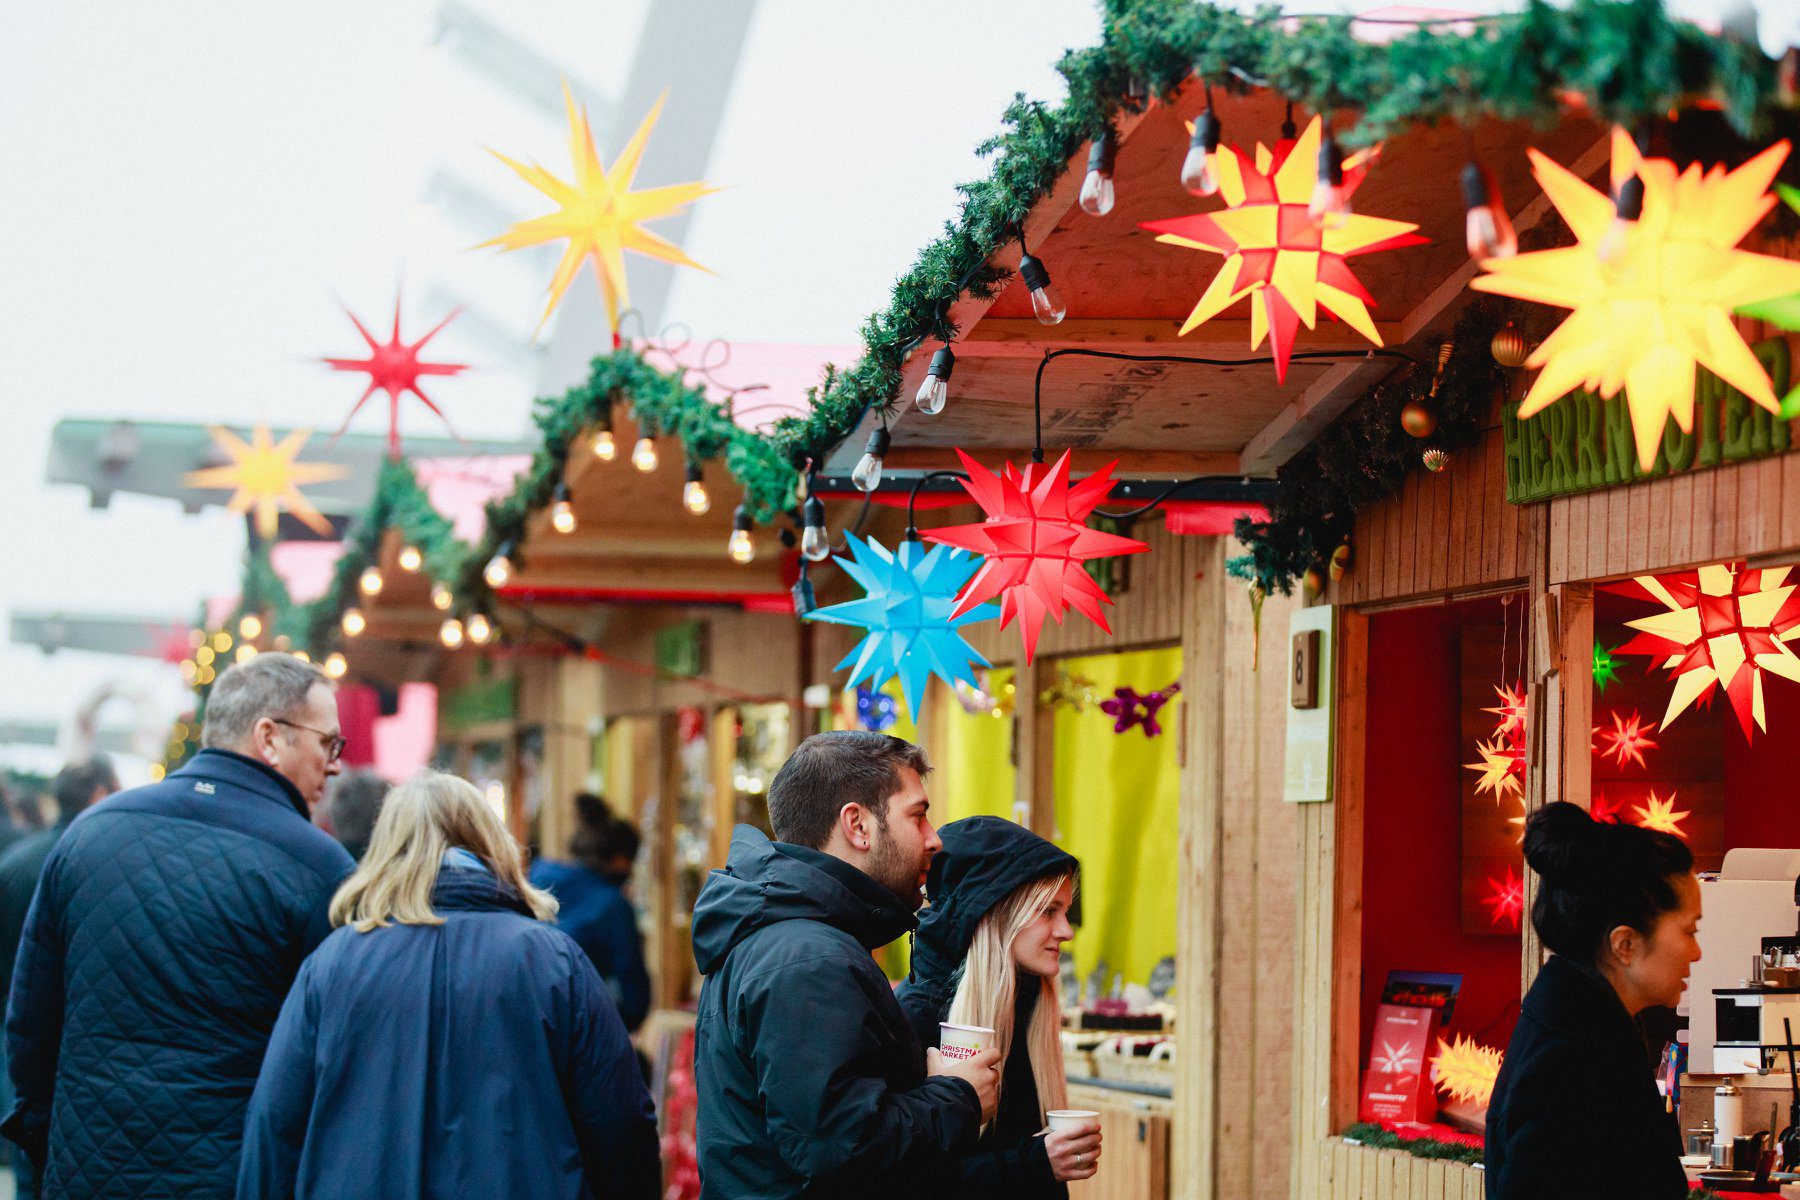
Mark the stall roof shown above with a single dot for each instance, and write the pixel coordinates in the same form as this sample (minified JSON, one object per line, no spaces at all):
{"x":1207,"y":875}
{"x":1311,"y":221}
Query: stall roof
{"x":1126,"y":293}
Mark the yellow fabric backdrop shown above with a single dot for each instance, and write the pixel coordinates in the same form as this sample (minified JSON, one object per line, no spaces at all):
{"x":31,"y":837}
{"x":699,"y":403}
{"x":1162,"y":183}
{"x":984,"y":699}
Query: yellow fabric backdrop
{"x":1117,"y":808}
{"x":975,"y":774}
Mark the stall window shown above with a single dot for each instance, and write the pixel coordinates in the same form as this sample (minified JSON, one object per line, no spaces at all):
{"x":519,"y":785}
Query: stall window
{"x":1442,"y":868}
{"x":1118,"y":796}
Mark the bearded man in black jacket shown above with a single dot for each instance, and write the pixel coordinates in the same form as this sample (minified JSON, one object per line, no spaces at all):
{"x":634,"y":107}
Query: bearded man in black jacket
{"x":811,"y":1081}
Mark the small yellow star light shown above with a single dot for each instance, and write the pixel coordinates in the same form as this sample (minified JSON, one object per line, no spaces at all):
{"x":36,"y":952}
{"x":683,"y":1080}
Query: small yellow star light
{"x":1465,"y":1070}
{"x":267,"y":478}
{"x":598,"y":213}
{"x":1660,"y":815}
{"x":1645,"y":318}
{"x":1500,"y":768}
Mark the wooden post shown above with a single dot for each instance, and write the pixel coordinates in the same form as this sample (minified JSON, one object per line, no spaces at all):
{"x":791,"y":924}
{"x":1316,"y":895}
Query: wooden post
{"x":1034,"y":727}
{"x":1346,"y":884}
{"x":721,"y":744}
{"x":1577,"y":625}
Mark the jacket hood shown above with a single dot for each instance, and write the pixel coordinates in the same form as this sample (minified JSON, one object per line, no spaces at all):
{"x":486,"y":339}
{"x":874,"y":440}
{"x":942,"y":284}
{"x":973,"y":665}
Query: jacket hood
{"x":984,"y":860}
{"x":474,"y":889}
{"x":765,"y":882}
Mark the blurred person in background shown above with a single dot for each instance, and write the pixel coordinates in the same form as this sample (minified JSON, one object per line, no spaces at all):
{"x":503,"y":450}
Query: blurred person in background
{"x":594,"y":910}
{"x":352,"y":803}
{"x":446,"y":1040}
{"x":168,"y":926}
{"x":76,"y":787}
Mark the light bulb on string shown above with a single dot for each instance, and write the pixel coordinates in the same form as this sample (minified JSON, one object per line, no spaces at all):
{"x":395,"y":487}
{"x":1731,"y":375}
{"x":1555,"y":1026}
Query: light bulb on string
{"x":250,"y":626}
{"x":1046,"y":303}
{"x":741,"y":547}
{"x":353,"y":622}
{"x":605,"y":449}
{"x":1199,"y":170}
{"x":441,"y":599}
{"x":245,"y":652}
{"x":694,"y":496}
{"x":934,"y":392}
{"x":335,"y":665}
{"x":1628,"y":206}
{"x":643,"y":455}
{"x":411,"y":558}
{"x":303,"y":656}
{"x":815,"y":539}
{"x":867,"y":475}
{"x":451,"y":633}
{"x":562,"y":510}
{"x":499,"y":568}
{"x":1330,"y":198}
{"x":1488,"y":230}
{"x":479,"y":628}
{"x":370,"y":582}
{"x":1097,"y":192}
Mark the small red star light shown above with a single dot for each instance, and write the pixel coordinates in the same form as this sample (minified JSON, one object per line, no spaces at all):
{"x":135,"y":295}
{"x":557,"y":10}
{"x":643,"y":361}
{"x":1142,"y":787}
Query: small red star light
{"x":1033,"y":544}
{"x":1511,"y":711}
{"x":1627,"y":740}
{"x":1505,"y":900}
{"x":394,"y":367}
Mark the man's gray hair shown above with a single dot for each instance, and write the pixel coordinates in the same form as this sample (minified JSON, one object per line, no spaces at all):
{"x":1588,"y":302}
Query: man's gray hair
{"x":270,"y":685}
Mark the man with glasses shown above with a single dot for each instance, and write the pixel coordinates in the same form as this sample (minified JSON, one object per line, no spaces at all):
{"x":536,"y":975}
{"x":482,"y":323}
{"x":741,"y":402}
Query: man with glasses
{"x":166,"y":930}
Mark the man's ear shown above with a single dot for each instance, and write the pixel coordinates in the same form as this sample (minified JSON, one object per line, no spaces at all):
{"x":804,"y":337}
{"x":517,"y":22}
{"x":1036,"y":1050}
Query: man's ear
{"x":853,"y":823}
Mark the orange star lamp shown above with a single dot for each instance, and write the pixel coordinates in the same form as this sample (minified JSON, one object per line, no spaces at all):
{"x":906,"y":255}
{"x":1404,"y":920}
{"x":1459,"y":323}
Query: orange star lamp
{"x":266,"y":478}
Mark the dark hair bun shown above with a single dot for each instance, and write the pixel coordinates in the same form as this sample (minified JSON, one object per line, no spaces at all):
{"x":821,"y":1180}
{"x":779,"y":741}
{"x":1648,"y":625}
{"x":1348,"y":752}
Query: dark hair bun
{"x":592,"y":811}
{"x":1559,"y":841}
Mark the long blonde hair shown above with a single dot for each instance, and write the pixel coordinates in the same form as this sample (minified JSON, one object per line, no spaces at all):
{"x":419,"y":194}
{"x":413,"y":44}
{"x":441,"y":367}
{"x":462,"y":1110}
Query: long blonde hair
{"x":422,"y":820}
{"x":988,"y":986}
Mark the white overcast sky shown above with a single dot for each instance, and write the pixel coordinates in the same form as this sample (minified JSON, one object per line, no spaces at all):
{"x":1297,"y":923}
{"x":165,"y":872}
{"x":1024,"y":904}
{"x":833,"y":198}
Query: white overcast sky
{"x":189,"y":188}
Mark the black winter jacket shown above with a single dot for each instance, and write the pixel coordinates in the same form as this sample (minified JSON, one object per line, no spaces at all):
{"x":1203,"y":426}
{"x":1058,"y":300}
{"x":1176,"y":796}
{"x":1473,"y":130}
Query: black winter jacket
{"x":984,"y":860}
{"x":811,"y":1082}
{"x":1575,"y":1110}
{"x":167,"y":928}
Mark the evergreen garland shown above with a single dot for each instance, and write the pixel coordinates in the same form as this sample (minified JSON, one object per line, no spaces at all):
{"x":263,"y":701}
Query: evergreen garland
{"x":1369,"y":1134}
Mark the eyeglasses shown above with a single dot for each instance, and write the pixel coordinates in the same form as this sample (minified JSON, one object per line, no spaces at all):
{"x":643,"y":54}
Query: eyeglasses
{"x":333,"y":744}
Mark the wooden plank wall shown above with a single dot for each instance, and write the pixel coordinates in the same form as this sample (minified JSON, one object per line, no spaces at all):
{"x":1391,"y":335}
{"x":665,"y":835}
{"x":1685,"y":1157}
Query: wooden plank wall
{"x":1737,"y":511}
{"x":1441,"y":533}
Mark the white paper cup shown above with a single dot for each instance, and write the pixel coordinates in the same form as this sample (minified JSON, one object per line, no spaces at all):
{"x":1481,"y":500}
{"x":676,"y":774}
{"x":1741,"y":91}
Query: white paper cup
{"x":963,"y":1041}
{"x":1064,"y":1118}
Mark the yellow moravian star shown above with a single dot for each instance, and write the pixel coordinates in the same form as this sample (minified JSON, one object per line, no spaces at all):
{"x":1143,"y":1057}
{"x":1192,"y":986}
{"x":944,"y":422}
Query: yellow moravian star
{"x":267,"y":478}
{"x":598,"y":214}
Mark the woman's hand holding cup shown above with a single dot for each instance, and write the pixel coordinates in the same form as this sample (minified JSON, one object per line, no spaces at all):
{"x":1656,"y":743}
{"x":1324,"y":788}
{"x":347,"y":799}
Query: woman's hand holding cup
{"x":1073,"y":1143}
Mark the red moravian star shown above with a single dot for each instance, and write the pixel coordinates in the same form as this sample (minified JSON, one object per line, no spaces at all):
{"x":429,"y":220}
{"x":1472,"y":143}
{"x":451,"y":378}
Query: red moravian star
{"x":1033,"y":544}
{"x":1505,"y":899}
{"x":1628,"y":740}
{"x":394,"y":367}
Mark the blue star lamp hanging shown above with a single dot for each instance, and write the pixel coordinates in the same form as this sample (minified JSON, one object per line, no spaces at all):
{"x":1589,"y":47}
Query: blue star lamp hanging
{"x":906,"y":609}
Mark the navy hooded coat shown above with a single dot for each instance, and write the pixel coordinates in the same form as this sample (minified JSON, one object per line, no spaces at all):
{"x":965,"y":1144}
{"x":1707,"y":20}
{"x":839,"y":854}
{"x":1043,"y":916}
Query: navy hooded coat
{"x":481,"y":1057}
{"x":595,"y":912}
{"x":984,"y":860}
{"x":168,"y":925}
{"x":811,"y":1082}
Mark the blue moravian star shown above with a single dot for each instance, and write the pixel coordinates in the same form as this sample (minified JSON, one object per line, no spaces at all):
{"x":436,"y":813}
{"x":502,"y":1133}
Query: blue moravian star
{"x":909,"y":596}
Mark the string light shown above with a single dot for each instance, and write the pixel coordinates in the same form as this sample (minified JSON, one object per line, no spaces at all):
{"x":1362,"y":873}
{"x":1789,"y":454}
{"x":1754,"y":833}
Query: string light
{"x":245,"y":652}
{"x":479,"y":628}
{"x":1488,"y":230}
{"x":815,"y":540}
{"x":1097,"y":191}
{"x":221,"y":641}
{"x":499,"y":568}
{"x":867,"y":475}
{"x":1199,"y":170}
{"x":562,"y":510}
{"x":643,"y":455}
{"x":934,"y":393}
{"x":251,"y":626}
{"x":411,"y":559}
{"x":335,"y":666}
{"x":441,"y":599}
{"x":741,"y":547}
{"x":203,"y":656}
{"x":451,"y":633}
{"x":371,"y":581}
{"x":303,"y":656}
{"x":605,"y":449}
{"x":693,"y":492}
{"x":354,"y":622}
{"x":1046,"y":302}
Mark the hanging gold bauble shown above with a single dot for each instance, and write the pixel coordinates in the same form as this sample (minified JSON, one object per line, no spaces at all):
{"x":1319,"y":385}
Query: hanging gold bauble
{"x":1436,"y":460}
{"x":1342,"y":560}
{"x":1417,"y":419}
{"x":1314,"y":582}
{"x":1510,"y":347}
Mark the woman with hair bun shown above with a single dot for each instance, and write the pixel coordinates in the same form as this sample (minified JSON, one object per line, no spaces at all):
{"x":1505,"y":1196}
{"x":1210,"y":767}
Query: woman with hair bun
{"x":1575,"y":1109}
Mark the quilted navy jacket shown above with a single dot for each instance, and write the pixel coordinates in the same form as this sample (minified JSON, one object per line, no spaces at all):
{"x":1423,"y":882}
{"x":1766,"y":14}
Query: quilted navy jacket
{"x":166,"y":930}
{"x":480,"y":1058}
